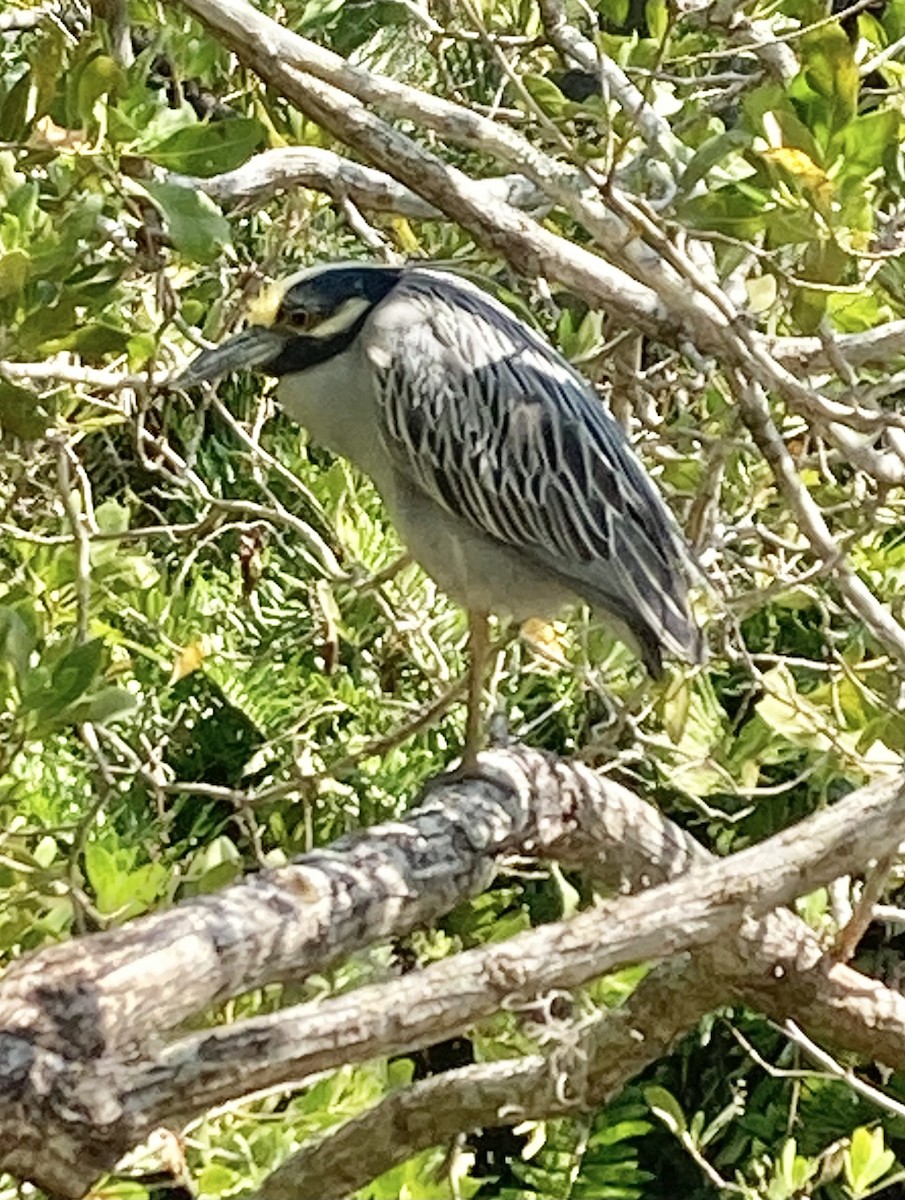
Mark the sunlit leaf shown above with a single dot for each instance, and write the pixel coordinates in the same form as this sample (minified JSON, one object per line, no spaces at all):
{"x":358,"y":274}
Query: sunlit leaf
{"x":665,"y":1106}
{"x":14,"y":269}
{"x":208,"y":149}
{"x":188,"y":659}
{"x":866,"y":1160}
{"x":194,"y":223}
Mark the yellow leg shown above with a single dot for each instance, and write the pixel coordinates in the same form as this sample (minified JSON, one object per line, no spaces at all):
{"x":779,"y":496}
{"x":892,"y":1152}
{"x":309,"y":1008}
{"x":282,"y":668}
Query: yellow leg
{"x":478,"y":653}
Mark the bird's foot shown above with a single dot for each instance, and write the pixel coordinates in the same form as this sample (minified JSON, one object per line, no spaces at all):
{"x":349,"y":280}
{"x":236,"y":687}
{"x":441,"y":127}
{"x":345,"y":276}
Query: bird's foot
{"x":470,"y":765}
{"x":471,"y":769}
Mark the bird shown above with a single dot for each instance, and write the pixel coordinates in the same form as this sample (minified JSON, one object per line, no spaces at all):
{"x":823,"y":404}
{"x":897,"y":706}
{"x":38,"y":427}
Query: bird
{"x":504,"y":473}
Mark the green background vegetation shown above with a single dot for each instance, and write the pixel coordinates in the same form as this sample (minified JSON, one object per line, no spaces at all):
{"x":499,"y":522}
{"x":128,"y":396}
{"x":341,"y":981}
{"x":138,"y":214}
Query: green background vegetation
{"x":173,"y":641}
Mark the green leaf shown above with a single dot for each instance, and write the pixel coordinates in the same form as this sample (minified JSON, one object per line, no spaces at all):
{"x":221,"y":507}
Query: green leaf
{"x":614,"y":12}
{"x":100,"y":77}
{"x":71,"y":678}
{"x":112,"y":517}
{"x":868,"y":143}
{"x":141,"y":348}
{"x":214,"y":866}
{"x":107,"y":705}
{"x":15,"y":111}
{"x":711,"y":152}
{"x":14,"y":269}
{"x":208,"y":149}
{"x":546,"y":95}
{"x":657,"y":15}
{"x":92,"y":341}
{"x":866,"y":1160}
{"x":118,"y":886}
{"x":23,"y":204}
{"x":791,"y":1173}
{"x":101,"y":870}
{"x":789,"y":713}
{"x":829,"y":81}
{"x":22,"y":413}
{"x":46,"y":60}
{"x":17,"y":641}
{"x":317,"y":13}
{"x":195,"y":224}
{"x":664,"y":1105}
{"x":216,"y":1180}
{"x":855,"y":314}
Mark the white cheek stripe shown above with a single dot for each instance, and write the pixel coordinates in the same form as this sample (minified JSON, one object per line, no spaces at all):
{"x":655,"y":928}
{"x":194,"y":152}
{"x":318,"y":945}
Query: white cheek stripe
{"x":347,"y":314}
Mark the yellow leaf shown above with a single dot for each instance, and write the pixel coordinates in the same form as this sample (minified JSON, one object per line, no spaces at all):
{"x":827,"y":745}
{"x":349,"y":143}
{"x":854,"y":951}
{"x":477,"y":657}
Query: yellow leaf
{"x":405,"y":235}
{"x":802,"y":168}
{"x":47,"y":135}
{"x":761,"y":293}
{"x":188,"y":659}
{"x":544,"y":638}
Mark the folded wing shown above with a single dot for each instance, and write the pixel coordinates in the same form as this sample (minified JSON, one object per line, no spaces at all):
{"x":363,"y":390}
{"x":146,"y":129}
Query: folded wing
{"x":496,"y":427}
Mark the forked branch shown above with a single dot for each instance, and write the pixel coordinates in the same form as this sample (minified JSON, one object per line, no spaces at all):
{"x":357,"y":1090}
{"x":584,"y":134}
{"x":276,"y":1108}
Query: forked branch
{"x":84,"y":1077}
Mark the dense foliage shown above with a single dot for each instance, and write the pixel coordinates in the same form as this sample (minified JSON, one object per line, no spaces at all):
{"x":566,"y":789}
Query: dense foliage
{"x":213,"y":656}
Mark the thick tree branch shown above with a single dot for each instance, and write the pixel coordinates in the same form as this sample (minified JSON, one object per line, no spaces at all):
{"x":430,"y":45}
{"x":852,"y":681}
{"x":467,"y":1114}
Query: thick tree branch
{"x":89,"y":1062}
{"x":776,"y":966}
{"x":72,"y":1018}
{"x":279,"y":924}
{"x":873,"y":347}
{"x":291,"y":167}
{"x":344,"y":100}
{"x":579,"y":1071}
{"x":448,"y":996}
{"x":654,"y":284}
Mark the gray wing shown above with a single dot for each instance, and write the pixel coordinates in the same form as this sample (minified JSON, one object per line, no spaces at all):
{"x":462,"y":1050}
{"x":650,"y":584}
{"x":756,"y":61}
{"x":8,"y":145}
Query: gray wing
{"x":495,"y":426}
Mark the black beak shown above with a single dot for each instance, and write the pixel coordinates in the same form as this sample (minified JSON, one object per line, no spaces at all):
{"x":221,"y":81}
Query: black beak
{"x":253,"y":347}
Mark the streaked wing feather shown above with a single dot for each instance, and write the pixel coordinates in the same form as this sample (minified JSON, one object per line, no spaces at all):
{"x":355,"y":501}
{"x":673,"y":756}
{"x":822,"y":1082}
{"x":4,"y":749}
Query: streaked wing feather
{"x":496,"y":427}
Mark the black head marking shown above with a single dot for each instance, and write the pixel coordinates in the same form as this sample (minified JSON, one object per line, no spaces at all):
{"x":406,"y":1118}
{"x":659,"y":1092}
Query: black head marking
{"x":322,"y":293}
{"x":316,"y":298}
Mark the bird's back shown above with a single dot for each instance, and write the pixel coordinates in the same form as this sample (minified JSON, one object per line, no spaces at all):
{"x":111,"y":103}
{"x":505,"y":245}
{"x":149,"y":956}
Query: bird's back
{"x":495,"y":427}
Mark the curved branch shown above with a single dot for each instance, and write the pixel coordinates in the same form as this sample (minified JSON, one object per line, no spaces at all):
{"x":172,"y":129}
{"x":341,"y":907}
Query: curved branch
{"x":655,"y":284}
{"x":878,"y":619}
{"x":72,"y":1018}
{"x":272,"y":171}
{"x":344,"y":100}
{"x":580,"y":1071}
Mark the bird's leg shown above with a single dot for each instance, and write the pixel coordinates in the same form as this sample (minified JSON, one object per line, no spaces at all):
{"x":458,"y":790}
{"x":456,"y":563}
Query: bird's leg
{"x":478,"y":653}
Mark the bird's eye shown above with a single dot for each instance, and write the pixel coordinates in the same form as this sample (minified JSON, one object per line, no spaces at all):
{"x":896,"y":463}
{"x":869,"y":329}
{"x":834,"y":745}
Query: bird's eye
{"x":301,"y":319}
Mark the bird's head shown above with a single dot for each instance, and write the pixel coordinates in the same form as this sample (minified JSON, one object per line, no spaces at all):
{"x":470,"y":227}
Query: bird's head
{"x":298,"y":322}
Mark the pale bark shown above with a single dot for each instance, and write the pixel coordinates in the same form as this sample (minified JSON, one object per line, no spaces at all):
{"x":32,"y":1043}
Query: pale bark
{"x":84,"y":1075}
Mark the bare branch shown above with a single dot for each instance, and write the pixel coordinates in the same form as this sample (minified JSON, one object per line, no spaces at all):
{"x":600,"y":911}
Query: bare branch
{"x":807,"y":355}
{"x":581,"y":1069}
{"x":290,"y":167}
{"x":752,"y":35}
{"x":52,"y":371}
{"x":71,"y":1017}
{"x":576,"y":48}
{"x":343,"y":99}
{"x":753,"y":408}
{"x":655,"y":285}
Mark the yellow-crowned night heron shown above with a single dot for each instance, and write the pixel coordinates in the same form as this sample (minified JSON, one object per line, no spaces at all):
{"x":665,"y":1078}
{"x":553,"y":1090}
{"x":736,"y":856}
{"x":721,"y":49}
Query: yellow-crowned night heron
{"x":505,"y":475}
